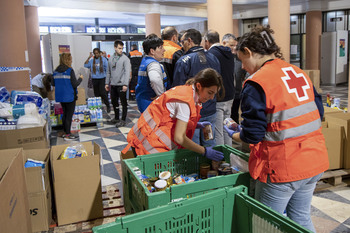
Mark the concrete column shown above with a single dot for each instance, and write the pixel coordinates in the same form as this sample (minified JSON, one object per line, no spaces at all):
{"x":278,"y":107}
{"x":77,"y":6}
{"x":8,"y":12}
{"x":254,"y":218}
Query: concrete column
{"x":313,"y":39}
{"x":13,"y":45}
{"x":153,"y":24}
{"x":235,"y":27}
{"x":220,"y":16}
{"x":33,"y":39}
{"x":279,"y":20}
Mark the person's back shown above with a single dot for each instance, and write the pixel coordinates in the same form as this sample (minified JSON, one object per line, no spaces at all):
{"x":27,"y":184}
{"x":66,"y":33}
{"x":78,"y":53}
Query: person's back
{"x":169,"y":37}
{"x":223,"y":107}
{"x":135,"y":57}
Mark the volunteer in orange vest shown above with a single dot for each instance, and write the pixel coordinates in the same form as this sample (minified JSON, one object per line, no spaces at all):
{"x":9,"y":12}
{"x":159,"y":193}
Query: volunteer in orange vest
{"x":282,"y":114}
{"x":170,"y":39}
{"x":169,"y":121}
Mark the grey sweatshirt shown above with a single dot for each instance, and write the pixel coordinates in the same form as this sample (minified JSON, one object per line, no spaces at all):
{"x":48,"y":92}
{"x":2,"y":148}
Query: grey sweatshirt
{"x":119,"y":70}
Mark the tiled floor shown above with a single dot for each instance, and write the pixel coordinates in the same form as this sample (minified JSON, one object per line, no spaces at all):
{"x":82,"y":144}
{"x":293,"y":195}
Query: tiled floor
{"x":330,"y":208}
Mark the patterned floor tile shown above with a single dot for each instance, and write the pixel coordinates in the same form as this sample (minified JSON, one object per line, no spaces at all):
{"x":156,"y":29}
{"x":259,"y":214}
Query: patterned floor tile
{"x":115,"y":154}
{"x":111,"y":171}
{"x":85,"y":137}
{"x":337,"y":210}
{"x":106,"y":180}
{"x":106,"y":133}
{"x":112,"y":142}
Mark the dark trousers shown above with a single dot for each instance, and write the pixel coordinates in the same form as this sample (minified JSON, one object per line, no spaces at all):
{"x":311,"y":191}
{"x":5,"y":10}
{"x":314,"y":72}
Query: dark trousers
{"x":234,"y":110}
{"x":68,"y":111}
{"x":116,"y":93}
{"x":99,"y":89}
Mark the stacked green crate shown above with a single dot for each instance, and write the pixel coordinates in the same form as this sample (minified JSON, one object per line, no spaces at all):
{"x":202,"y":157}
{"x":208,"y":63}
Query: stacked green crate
{"x":137,"y":197}
{"x":224,"y":210}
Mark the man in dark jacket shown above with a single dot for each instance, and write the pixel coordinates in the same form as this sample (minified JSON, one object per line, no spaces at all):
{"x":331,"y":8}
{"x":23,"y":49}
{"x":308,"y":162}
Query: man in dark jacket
{"x":223,"y":107}
{"x":194,"y":60}
{"x":135,"y":57}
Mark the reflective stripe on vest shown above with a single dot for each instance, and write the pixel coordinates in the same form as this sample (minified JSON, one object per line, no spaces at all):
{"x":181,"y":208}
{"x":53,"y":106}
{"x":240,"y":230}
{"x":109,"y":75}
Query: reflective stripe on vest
{"x":162,"y":136}
{"x":61,"y":76}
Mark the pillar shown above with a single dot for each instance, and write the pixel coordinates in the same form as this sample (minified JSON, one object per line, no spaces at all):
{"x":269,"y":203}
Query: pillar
{"x":313,"y":39}
{"x":13,"y":45}
{"x":33,"y":39}
{"x":236,"y":27}
{"x":153,"y":24}
{"x":279,"y":20}
{"x":220,"y":16}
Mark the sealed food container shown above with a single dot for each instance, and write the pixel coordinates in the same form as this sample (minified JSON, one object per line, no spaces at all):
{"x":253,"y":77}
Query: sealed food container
{"x":208,"y":133}
{"x":166,"y":176}
{"x":230,"y":123}
{"x":160,"y":185}
{"x":203,"y":170}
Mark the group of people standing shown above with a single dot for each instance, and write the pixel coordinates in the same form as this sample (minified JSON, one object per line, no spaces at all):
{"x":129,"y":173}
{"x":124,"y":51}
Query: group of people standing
{"x":281,"y":112}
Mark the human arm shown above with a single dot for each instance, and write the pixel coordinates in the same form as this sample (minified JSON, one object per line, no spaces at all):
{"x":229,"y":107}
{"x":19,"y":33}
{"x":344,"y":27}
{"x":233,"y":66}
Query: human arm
{"x":127,"y":74}
{"x":155,"y":76}
{"x":181,"y":138}
{"x":180,"y":72}
{"x":253,"y":107}
{"x":108,"y":74}
{"x":87,"y":63}
{"x":75,"y":83}
{"x":318,"y":101}
{"x":105,"y":65}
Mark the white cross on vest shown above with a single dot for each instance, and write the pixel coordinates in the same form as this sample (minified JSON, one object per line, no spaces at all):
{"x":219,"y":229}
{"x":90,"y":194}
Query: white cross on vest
{"x":295,"y":83}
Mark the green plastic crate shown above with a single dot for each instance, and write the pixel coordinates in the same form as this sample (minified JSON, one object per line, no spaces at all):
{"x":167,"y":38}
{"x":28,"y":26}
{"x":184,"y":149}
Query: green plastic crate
{"x":253,"y":216}
{"x":192,"y":215}
{"x":224,"y":210}
{"x":137,"y":197}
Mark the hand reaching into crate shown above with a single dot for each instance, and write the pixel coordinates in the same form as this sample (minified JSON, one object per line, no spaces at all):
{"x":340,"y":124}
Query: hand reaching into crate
{"x":212,"y":154}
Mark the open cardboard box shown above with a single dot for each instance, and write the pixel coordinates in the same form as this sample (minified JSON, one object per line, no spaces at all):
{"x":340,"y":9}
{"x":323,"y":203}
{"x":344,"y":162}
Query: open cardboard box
{"x":77,"y":185}
{"x":39,"y":190}
{"x":14,"y":214}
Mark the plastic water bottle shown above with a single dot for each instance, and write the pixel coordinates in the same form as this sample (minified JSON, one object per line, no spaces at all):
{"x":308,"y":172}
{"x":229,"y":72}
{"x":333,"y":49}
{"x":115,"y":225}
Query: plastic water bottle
{"x":94,"y":103}
{"x":89,"y":103}
{"x":99,"y":102}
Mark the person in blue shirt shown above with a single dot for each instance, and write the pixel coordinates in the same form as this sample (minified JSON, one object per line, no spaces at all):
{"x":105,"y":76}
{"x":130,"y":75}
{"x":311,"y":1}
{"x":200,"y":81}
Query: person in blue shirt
{"x":194,"y":60}
{"x":98,"y":66}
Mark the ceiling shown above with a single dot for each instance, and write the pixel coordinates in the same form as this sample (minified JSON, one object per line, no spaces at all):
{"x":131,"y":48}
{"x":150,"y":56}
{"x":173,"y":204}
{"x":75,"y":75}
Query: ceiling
{"x":173,"y":12}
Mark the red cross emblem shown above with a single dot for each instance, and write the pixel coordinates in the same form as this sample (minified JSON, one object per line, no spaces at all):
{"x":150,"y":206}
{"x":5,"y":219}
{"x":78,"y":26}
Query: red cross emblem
{"x":296,"y":83}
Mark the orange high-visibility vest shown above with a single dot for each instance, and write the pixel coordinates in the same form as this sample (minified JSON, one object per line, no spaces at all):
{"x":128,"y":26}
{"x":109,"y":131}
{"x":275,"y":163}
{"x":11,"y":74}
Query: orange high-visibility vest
{"x":154,"y":130}
{"x":170,"y":48}
{"x":135,"y":53}
{"x":293,"y":147}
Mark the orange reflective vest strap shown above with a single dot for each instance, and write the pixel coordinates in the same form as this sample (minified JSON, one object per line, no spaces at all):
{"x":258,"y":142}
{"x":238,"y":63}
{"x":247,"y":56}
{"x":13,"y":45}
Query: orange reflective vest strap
{"x":135,"y":53}
{"x":154,"y":130}
{"x":170,"y":48}
{"x":293,"y":147}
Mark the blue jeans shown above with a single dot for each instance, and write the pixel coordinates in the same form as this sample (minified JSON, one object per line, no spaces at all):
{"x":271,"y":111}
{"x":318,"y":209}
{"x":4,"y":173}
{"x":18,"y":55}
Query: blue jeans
{"x":198,"y":136}
{"x":294,"y":197}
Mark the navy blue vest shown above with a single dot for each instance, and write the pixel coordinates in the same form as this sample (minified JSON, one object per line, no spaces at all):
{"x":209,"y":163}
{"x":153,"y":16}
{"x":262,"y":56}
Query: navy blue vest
{"x":64,"y":91}
{"x":144,"y":91}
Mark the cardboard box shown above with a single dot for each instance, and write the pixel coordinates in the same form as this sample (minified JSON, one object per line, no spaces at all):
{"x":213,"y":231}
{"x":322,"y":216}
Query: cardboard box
{"x":334,"y":142}
{"x":337,"y":120}
{"x":14,"y":214}
{"x":81,"y":97}
{"x":30,"y":138}
{"x":39,"y":190}
{"x":77,"y":185}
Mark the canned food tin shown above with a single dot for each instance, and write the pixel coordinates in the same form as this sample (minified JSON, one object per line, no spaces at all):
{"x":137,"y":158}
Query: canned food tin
{"x":203,"y":170}
{"x":208,"y":133}
{"x":160,"y":185}
{"x":215,"y":165}
{"x":230,"y":123}
{"x":212,"y":173}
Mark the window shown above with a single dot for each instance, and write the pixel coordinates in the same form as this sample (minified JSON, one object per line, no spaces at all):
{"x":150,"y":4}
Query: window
{"x":44,"y":29}
{"x":61,"y":29}
{"x":116,"y":30}
{"x":92,"y":29}
{"x":141,"y":30}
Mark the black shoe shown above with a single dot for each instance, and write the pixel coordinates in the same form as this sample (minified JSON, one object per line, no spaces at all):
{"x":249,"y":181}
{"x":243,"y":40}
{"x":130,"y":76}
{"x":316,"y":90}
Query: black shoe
{"x":71,"y":137}
{"x":108,"y":109}
{"x":121,"y":124}
{"x":114,"y":121}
